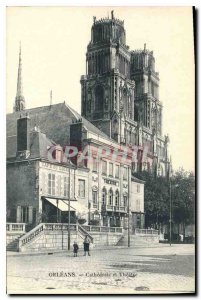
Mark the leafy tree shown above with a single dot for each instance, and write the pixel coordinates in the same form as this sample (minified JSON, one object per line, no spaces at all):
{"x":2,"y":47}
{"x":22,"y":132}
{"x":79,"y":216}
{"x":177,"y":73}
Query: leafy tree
{"x":157,"y":198}
{"x":183,"y":198}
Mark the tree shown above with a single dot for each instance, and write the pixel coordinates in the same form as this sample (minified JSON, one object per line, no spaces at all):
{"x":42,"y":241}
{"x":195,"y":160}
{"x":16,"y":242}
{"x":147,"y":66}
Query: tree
{"x":157,"y":198}
{"x":183,"y":198}
{"x":156,"y":195}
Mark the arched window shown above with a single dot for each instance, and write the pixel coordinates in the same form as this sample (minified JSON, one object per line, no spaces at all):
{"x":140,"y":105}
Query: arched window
{"x":104,"y":196}
{"x":111,"y":197}
{"x":99,"y":98}
{"x":125,"y":200}
{"x":117,"y":198}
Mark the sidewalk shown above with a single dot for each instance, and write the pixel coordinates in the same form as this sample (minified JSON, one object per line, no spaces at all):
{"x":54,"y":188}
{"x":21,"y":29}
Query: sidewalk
{"x":162,"y":249}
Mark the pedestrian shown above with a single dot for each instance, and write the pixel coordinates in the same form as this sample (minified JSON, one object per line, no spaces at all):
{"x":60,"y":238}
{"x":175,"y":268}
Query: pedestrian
{"x":75,"y":249}
{"x":86,"y":245}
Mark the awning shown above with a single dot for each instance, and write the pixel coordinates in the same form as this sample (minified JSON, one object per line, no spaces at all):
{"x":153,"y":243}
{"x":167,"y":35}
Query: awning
{"x":63,"y":205}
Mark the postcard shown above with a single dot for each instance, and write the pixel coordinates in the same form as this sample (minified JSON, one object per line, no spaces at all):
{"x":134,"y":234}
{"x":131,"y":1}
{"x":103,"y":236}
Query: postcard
{"x":100,"y":150}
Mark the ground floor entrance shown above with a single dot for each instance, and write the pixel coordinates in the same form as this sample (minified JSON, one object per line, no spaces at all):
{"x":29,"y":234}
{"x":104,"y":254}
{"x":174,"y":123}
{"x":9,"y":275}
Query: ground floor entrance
{"x":55,"y":212}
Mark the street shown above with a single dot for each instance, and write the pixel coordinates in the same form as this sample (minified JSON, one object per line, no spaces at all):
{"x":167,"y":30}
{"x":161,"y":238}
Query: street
{"x":157,"y":269}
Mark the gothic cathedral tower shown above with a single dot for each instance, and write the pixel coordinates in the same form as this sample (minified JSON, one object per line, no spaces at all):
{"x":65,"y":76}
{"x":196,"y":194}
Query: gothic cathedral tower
{"x":148,"y":108}
{"x":120,"y":94}
{"x":107,"y":88}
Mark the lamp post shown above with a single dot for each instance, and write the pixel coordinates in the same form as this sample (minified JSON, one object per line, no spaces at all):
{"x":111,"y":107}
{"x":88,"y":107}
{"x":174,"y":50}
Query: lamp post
{"x":69,"y":210}
{"x":128,"y":208}
{"x":170,"y":186}
{"x":172,"y":189}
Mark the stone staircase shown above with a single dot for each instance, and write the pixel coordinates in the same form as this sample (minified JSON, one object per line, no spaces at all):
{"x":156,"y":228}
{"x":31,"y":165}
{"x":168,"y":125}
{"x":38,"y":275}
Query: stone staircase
{"x":14,"y":244}
{"x":138,"y":240}
{"x":52,"y":236}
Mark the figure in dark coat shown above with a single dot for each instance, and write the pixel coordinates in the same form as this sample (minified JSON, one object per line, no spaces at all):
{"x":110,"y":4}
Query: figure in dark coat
{"x":86,"y":245}
{"x":75,"y":248}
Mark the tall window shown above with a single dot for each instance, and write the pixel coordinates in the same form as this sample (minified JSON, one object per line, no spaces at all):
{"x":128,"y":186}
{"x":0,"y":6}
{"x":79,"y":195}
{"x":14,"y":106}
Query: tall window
{"x":125,"y":201}
{"x":104,"y":196}
{"x":81,"y":188}
{"x":104,"y":167}
{"x":65,"y":186}
{"x":99,"y":98}
{"x":94,"y":197}
{"x":25,"y":214}
{"x":110,"y":169}
{"x":137,"y":204}
{"x":58,"y":155}
{"x":95,"y":165}
{"x":59,"y":185}
{"x":125,"y":173}
{"x":117,"y":198}
{"x":110,"y":197}
{"x":51,"y":184}
{"x":117,"y":171}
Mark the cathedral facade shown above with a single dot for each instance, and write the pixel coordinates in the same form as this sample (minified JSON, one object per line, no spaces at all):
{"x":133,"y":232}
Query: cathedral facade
{"x":120,"y":95}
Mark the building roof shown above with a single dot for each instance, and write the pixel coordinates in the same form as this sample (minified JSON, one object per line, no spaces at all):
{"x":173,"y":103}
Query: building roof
{"x":88,"y":125}
{"x":135,"y":179}
{"x":39,"y":145}
{"x":53,"y":120}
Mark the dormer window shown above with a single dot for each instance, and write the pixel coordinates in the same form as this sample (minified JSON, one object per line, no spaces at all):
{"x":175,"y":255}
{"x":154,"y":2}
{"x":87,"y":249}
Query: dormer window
{"x":57,"y":153}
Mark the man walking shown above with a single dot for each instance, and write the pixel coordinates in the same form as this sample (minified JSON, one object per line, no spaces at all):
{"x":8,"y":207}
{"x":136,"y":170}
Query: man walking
{"x":86,"y":245}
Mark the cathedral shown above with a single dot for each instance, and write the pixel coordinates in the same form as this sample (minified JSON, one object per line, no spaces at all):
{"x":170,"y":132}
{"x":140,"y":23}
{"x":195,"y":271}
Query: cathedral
{"x":120,"y":95}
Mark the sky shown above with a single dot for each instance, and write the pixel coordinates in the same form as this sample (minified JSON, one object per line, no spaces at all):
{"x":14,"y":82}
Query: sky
{"x":54,"y":43}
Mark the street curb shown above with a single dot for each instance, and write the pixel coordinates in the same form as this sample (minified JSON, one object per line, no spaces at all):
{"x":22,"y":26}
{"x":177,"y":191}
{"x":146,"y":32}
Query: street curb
{"x":52,"y":251}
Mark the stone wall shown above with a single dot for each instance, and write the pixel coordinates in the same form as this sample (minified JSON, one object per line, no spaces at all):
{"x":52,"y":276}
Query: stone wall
{"x":11,"y":237}
{"x":22,"y":187}
{"x":52,"y":240}
{"x":56,"y":240}
{"x":106,"y":239}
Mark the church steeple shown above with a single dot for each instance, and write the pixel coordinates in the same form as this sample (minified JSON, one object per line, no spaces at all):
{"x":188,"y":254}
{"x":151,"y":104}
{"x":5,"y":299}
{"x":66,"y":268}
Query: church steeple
{"x":19,"y":99}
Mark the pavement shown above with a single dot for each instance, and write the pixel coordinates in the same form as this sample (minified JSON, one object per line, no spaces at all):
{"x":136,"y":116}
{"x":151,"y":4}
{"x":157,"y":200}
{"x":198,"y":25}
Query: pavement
{"x":157,"y":269}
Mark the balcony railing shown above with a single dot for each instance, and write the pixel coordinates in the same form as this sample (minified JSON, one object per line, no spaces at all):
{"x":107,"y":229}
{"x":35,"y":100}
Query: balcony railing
{"x":15,"y":227}
{"x":146,"y":231}
{"x":92,"y":228}
{"x":115,"y":208}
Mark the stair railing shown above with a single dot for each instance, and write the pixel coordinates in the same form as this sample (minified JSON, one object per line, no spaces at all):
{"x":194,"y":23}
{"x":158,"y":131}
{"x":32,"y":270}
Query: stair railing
{"x":29,"y":236}
{"x":84,"y":232}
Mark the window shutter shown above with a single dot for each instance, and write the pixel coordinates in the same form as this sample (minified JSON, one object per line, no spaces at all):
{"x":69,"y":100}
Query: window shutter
{"x":18,"y":214}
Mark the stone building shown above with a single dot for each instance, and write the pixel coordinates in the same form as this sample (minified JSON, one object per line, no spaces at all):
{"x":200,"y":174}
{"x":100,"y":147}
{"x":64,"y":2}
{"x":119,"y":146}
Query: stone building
{"x":111,"y":182}
{"x":37,"y":178}
{"x":40,"y":182}
{"x":120,"y":94}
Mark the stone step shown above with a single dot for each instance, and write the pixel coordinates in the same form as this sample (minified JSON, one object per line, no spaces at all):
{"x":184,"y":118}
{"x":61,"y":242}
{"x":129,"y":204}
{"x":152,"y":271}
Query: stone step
{"x":138,"y":240}
{"x":13,"y":246}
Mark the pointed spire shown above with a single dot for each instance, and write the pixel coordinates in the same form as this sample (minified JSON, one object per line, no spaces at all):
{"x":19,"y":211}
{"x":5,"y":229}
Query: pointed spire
{"x":50,"y":97}
{"x":19,"y":78}
{"x":112,"y":14}
{"x":19,"y":99}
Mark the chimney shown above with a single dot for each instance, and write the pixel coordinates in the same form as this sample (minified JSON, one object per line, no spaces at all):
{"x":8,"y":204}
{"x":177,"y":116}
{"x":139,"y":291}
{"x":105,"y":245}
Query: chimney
{"x":23,"y":135}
